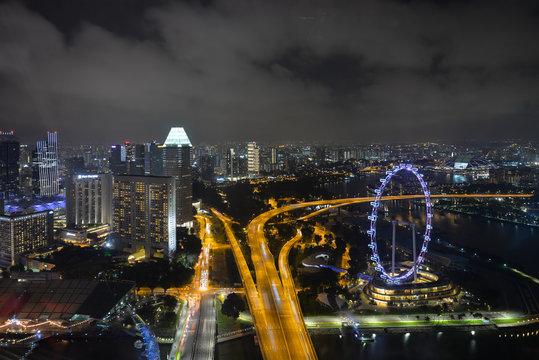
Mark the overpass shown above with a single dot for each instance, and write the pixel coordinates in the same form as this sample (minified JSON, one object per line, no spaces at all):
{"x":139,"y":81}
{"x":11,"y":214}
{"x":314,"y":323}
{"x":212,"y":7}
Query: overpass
{"x":275,"y":308}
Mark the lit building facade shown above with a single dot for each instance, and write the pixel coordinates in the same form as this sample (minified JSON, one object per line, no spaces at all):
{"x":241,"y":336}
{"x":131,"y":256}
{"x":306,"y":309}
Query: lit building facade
{"x":153,"y":159}
{"x":24,"y":233}
{"x":430,"y":286}
{"x":253,"y":158}
{"x":9,"y":165}
{"x":47,"y":161}
{"x":89,"y":200}
{"x":117,"y":161}
{"x":177,"y":164}
{"x":144,"y":215}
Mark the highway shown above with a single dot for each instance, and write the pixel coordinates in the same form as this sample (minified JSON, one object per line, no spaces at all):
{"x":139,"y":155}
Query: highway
{"x":265,"y":336}
{"x":197,"y":340}
{"x":277,"y":312}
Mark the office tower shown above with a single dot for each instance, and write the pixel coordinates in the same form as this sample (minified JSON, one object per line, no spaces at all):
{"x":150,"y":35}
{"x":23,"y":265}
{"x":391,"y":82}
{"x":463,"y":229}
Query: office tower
{"x":24,"y":233}
{"x":117,"y":162}
{"x":253,"y":159}
{"x":127,"y":159}
{"x":135,"y":159}
{"x":88,"y":199}
{"x":177,"y":163}
{"x":47,"y":157}
{"x":273,"y":156}
{"x":74,"y":165}
{"x":144,"y":215}
{"x":9,"y":165}
{"x":154,"y":154}
{"x":231,"y":163}
{"x":207,"y":167}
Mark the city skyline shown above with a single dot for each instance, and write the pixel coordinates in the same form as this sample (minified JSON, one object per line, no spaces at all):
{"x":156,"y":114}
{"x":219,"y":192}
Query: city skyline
{"x":381,"y":71}
{"x":238,"y":179}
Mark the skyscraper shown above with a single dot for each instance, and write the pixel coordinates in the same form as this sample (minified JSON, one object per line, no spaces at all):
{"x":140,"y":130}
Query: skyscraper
{"x":177,"y":163}
{"x":154,"y":159}
{"x":9,"y":165}
{"x":117,"y":162}
{"x":47,"y":157}
{"x":207,"y":167}
{"x":88,"y":199}
{"x":24,"y":233}
{"x":231,"y":163}
{"x":144,"y":214}
{"x":253,"y":159}
{"x":135,"y":160}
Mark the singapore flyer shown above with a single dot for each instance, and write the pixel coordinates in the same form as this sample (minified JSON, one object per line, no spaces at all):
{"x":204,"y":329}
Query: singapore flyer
{"x":398,"y":278}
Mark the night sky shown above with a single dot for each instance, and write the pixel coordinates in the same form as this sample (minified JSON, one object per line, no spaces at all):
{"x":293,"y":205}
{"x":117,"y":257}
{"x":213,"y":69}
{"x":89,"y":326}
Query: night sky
{"x":102,"y":71}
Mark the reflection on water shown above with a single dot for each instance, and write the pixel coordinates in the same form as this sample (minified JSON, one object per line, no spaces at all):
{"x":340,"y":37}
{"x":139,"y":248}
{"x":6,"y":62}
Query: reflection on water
{"x":446,"y":345}
{"x":516,"y":244}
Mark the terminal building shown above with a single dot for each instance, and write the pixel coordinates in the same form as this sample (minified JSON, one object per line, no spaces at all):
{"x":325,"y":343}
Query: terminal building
{"x":429,"y":286}
{"x":144,"y":215}
{"x":24,"y":233}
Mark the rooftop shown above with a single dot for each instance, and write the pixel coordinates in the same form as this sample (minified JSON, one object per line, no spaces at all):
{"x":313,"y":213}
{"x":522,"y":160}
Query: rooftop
{"x":59,"y":299}
{"x":177,"y":137}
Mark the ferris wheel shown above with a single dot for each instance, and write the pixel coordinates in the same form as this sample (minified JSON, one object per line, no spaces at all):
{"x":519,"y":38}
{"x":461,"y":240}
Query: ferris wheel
{"x":393,"y":278}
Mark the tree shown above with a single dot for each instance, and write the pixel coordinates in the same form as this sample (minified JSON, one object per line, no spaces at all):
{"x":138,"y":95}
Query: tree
{"x":170,"y":302}
{"x":232,"y":305}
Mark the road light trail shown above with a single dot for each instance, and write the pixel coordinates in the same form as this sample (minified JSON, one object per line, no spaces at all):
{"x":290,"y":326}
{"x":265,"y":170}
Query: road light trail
{"x":197,"y":337}
{"x":276,"y":312}
{"x":269,"y":342}
{"x":289,"y":288}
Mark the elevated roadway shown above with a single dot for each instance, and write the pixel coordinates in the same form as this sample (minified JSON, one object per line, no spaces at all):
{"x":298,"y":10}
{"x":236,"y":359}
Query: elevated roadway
{"x":276,"y":310}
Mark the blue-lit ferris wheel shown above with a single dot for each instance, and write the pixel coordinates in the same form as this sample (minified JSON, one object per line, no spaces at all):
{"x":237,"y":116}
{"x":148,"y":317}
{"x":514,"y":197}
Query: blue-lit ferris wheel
{"x":393,"y":278}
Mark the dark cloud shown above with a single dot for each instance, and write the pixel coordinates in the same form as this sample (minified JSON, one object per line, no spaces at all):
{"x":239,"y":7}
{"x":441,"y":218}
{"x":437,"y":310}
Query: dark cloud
{"x":104,"y":71}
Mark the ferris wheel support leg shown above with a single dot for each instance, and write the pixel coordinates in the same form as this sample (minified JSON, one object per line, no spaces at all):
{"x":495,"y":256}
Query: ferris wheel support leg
{"x":414,"y":251}
{"x":393,"y":250}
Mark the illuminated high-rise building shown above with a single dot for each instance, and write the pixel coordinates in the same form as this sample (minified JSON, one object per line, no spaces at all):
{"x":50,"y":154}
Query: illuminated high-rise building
{"x":144,"y":215}
{"x":47,"y":161}
{"x":118,"y":157}
{"x":177,"y":163}
{"x":253,"y":159}
{"x":273,"y":156}
{"x":135,"y":159}
{"x":154,"y":159}
{"x":207,"y":167}
{"x":24,"y":233}
{"x":231,"y":164}
{"x":127,"y":159}
{"x":88,"y":199}
{"x":9,"y":165}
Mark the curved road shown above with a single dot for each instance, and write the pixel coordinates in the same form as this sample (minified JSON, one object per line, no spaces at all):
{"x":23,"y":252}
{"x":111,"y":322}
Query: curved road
{"x":276,"y":310}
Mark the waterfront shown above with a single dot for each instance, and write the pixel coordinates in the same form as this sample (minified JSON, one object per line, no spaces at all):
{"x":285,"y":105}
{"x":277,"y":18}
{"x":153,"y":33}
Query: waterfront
{"x":417,"y":346}
{"x":515,"y":244}
{"x":446,"y":345}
